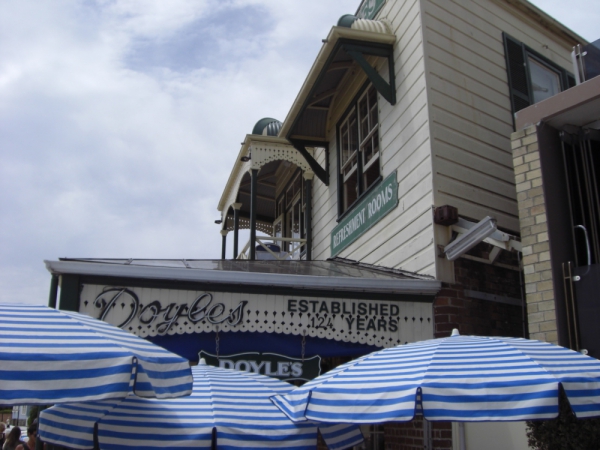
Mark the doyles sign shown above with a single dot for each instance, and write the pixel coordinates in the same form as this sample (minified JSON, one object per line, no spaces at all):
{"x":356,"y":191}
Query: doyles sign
{"x":163,"y":317}
{"x":370,"y":210}
{"x":269,"y":364}
{"x":147,"y":311}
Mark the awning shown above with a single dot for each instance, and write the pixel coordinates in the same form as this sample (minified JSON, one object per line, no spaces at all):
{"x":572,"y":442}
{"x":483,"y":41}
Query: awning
{"x":342,"y":306}
{"x":357,"y":43}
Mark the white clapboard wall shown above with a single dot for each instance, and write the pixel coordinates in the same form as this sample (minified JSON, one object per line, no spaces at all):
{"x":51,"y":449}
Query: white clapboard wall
{"x":448,"y":136}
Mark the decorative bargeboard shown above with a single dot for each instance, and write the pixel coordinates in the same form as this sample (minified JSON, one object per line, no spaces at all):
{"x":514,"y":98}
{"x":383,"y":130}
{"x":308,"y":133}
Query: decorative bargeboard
{"x":151,"y":312}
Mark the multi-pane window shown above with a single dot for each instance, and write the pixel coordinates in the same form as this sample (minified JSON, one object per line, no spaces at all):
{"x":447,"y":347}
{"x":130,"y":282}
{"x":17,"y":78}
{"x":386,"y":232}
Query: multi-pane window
{"x":532,"y":77}
{"x":545,"y":80}
{"x":359,"y":148}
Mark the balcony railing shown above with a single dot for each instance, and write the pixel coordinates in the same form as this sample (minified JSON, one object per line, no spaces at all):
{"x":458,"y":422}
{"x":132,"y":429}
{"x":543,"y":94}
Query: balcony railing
{"x":586,"y":61}
{"x":269,"y":247}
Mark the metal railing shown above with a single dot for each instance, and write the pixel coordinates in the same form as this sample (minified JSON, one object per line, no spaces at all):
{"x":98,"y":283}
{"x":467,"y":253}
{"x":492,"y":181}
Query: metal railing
{"x":586,"y":61}
{"x":266,"y":242}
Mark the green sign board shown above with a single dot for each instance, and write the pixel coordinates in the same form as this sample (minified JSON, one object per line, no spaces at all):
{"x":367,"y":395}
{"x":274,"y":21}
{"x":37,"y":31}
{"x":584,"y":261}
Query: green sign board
{"x":369,"y":8}
{"x":370,"y":210}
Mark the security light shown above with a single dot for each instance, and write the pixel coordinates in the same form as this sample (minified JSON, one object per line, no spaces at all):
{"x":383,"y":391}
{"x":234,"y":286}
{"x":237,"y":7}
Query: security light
{"x":471,"y":238}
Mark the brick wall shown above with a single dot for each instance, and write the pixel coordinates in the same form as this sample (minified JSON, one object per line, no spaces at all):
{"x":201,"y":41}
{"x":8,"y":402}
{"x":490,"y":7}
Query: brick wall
{"x":539,"y":283}
{"x":453,"y":308}
{"x":441,"y":435}
{"x":404,"y":436}
{"x":410,"y":436}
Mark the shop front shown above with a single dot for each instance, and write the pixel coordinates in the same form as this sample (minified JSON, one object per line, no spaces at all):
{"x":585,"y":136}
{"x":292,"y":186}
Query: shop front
{"x":289,"y":319}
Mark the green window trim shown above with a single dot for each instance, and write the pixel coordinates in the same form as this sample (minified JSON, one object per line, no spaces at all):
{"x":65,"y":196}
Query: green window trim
{"x":358,"y":149}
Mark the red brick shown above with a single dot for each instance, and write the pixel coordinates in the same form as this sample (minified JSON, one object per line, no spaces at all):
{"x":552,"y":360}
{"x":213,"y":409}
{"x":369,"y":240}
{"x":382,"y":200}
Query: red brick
{"x":446,"y":310}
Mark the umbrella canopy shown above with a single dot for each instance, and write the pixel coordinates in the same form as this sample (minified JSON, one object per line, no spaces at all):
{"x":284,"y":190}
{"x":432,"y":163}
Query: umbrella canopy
{"x":460,"y":378}
{"x":49,"y":356}
{"x":235,"y":404}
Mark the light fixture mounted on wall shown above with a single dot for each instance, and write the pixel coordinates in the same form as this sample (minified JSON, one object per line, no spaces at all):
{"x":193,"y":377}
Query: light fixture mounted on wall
{"x":466,"y":241}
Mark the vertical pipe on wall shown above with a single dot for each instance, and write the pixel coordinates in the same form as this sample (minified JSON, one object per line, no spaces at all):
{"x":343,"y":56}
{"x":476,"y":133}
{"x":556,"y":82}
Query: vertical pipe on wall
{"x":253,"y":186}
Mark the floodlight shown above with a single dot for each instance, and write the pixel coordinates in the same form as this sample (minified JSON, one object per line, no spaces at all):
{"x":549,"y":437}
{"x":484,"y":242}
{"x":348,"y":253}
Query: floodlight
{"x":470,"y":238}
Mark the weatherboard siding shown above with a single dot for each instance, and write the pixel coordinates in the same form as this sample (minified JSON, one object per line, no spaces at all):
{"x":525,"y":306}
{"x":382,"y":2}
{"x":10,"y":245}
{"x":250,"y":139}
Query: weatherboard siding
{"x":402,"y":239}
{"x":448,"y":136}
{"x":470,"y":111}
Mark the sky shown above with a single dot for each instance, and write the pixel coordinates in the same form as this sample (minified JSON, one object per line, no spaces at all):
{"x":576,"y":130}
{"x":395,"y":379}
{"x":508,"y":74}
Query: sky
{"x":121,"y":119}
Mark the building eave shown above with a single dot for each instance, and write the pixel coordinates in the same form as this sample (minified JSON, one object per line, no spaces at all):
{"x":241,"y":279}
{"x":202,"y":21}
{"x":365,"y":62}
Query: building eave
{"x":329,"y":44}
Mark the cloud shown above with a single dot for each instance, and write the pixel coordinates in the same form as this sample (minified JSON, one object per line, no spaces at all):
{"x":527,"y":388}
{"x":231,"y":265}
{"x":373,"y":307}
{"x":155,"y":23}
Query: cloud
{"x":120,"y":121}
{"x":581,"y":16}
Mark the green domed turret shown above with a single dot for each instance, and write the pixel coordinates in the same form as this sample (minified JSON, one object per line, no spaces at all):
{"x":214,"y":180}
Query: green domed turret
{"x":267,"y":127}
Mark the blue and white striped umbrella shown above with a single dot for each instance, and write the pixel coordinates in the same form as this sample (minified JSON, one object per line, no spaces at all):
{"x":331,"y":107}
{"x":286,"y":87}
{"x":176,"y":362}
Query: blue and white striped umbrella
{"x":460,"y":378}
{"x":49,"y":356}
{"x":235,"y":404}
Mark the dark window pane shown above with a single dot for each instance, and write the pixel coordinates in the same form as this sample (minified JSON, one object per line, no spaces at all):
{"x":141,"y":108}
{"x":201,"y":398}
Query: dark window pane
{"x":371,"y":175}
{"x":350,"y":191}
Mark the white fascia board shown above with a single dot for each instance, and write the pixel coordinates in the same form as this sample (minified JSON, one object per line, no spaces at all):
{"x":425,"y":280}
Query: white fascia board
{"x":418,"y":287}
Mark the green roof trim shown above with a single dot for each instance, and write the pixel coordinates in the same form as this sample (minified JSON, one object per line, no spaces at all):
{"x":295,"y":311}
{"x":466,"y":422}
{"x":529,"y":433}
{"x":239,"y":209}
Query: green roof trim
{"x":347,"y":20}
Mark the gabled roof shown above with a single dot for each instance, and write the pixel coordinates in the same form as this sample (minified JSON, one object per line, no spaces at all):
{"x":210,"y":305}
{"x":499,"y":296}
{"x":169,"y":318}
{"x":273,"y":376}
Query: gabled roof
{"x":307,"y":118}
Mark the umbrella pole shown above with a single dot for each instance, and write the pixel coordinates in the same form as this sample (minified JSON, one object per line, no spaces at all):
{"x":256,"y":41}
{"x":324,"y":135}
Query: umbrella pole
{"x":96,"y":444}
{"x":462,"y":445}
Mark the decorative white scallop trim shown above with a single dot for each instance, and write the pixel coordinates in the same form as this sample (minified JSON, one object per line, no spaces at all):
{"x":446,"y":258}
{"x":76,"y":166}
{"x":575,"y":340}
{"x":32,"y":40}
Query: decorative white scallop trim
{"x":374,"y":26}
{"x":265,"y":152}
{"x":262,"y":153}
{"x":383,"y":323}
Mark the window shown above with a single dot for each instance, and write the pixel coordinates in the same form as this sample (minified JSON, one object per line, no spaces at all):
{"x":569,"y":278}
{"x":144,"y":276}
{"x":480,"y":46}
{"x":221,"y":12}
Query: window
{"x":545,"y":81}
{"x":532,"y":77}
{"x":358,"y":149}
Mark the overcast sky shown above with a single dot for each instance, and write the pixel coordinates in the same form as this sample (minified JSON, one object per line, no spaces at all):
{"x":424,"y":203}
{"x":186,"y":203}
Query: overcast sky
{"x":120,"y":119}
